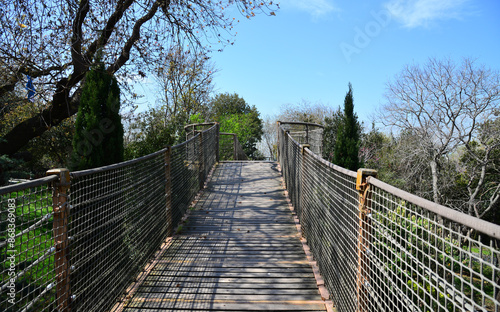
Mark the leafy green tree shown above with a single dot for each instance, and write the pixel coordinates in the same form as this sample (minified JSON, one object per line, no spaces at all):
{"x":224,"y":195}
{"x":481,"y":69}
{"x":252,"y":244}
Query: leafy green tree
{"x":196,"y":118}
{"x":248,"y":129}
{"x":98,"y":139}
{"x":236,"y":116}
{"x":348,"y":136}
{"x":226,"y":104}
{"x":148,"y":133}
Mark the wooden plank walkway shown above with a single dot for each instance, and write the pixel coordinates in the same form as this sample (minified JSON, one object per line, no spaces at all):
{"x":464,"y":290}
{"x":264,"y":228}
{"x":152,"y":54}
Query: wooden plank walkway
{"x":239,"y":250}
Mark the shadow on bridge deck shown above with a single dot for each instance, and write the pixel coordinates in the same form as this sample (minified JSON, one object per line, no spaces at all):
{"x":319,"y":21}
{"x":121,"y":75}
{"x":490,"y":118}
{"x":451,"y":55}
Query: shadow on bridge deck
{"x":239,"y":250}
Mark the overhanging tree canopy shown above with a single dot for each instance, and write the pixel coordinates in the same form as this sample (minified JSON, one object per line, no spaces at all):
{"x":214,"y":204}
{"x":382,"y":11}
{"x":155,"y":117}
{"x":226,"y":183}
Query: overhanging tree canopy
{"x":56,"y":41}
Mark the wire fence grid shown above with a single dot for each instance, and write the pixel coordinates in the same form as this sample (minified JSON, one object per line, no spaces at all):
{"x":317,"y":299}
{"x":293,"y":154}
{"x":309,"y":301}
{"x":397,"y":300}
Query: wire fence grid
{"x":305,"y":133}
{"x":382,"y":249}
{"x":75,"y":241}
{"x":230,"y":147}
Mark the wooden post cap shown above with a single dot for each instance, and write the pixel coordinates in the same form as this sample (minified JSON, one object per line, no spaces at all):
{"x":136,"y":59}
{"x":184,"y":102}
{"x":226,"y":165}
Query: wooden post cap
{"x":304,"y":146}
{"x":361,"y":177}
{"x":63,"y":175}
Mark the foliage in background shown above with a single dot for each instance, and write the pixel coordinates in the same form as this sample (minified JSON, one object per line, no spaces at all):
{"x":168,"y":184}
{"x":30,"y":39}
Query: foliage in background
{"x":148,"y":133}
{"x":187,"y":82}
{"x":347,"y":143}
{"x":9,"y":168}
{"x":445,"y":116}
{"x":186,"y":78}
{"x":98,"y":139}
{"x":305,"y":111}
{"x":332,"y":124}
{"x":247,"y":128}
{"x":50,"y":150}
{"x":56,"y":42}
{"x":236,"y":116}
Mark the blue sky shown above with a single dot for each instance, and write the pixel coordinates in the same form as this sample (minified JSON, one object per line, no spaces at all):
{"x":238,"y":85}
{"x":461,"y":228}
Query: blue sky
{"x":311,"y":49}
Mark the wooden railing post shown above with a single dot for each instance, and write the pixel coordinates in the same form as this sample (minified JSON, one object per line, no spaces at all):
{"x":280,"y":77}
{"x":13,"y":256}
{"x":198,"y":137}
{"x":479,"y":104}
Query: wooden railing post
{"x":60,"y":234}
{"x":168,"y":190}
{"x":363,"y":273}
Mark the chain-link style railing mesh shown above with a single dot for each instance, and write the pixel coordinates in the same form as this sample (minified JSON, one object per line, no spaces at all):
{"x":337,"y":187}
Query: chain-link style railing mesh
{"x":382,"y":249}
{"x":26,"y":246}
{"x":306,"y":133}
{"x":421,"y":258}
{"x":185,"y":174}
{"x":106,"y":224}
{"x":118,"y":219}
{"x":329,"y":220}
{"x":228,"y":144}
{"x":230,"y":147}
{"x":209,"y":150}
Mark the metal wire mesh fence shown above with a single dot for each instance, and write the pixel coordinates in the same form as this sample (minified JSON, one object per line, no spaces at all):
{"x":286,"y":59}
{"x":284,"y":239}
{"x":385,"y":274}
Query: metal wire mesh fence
{"x":382,"y":249}
{"x":114,"y":226}
{"x":305,"y":133}
{"x":27,"y":247}
{"x":230,"y":147}
{"x":75,"y":241}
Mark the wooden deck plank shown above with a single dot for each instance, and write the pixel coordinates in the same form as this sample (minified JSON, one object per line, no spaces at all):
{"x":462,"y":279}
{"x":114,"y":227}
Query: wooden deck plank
{"x":239,"y":250}
{"x":175,"y":284}
{"x":228,"y":291}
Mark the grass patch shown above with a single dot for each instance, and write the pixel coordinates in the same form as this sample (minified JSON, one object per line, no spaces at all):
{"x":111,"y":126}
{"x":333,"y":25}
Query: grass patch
{"x":33,"y":264}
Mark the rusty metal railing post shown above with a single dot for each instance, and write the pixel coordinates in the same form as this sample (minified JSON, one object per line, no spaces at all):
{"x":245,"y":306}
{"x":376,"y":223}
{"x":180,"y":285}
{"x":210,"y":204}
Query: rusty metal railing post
{"x":363,"y":274}
{"x":168,"y":190}
{"x":60,"y":234}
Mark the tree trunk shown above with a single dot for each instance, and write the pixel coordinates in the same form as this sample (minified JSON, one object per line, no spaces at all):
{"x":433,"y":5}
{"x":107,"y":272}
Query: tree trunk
{"x":62,"y":107}
{"x":434,"y":172}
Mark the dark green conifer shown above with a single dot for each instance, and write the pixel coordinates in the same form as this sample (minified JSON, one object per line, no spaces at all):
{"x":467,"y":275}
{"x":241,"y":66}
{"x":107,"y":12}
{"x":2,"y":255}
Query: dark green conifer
{"x":98,"y":139}
{"x":348,"y":136}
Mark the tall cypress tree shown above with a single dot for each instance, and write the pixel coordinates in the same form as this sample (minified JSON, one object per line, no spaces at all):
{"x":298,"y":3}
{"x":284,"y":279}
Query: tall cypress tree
{"x":348,"y":136}
{"x":98,"y":139}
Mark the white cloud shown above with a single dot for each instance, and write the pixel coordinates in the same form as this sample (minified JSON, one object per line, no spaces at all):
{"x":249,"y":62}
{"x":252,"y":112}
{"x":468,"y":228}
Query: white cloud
{"x":415,"y":13}
{"x":316,"y":8}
